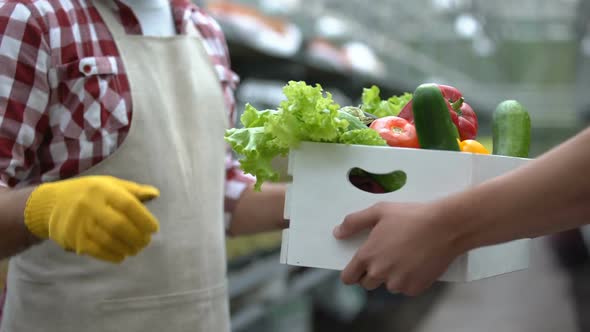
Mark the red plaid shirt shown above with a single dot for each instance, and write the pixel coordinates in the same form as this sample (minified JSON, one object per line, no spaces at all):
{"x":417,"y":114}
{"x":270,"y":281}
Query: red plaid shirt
{"x":65,"y":103}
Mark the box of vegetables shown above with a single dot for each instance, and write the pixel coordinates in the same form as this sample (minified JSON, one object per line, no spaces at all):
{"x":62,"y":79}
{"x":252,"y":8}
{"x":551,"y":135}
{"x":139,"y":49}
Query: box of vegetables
{"x":410,"y":148}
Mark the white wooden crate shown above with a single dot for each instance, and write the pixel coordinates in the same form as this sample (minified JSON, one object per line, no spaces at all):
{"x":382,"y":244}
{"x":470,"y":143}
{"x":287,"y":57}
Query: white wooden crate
{"x":320,"y":196}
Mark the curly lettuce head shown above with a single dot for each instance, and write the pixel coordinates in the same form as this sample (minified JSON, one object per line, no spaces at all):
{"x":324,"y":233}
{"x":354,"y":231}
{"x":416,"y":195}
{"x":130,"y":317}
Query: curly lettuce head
{"x":308,"y":113}
{"x":373,"y":104}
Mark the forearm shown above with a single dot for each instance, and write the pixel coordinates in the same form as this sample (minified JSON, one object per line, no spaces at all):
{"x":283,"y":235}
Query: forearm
{"x":550,"y":194}
{"x":14,"y":236}
{"x":258,"y":212}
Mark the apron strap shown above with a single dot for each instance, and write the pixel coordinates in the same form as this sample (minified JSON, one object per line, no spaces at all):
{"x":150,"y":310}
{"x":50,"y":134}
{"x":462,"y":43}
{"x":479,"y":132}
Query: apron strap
{"x":107,"y":10}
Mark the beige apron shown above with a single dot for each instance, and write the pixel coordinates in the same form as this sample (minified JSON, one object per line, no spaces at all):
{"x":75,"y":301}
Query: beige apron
{"x":178,"y":283}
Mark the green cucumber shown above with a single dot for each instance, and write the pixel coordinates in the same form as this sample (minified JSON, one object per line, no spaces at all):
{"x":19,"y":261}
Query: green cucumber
{"x":511,"y":130}
{"x":353,"y":121}
{"x":433,"y":122}
{"x":392,"y":181}
{"x":389,"y":182}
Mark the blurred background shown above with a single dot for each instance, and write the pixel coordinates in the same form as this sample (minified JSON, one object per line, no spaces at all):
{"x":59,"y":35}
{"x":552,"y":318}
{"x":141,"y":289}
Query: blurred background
{"x":534,"y":51}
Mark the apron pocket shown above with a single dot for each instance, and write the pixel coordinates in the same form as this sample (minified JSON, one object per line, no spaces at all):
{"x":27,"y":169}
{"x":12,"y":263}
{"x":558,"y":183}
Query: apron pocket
{"x":198,"y":310}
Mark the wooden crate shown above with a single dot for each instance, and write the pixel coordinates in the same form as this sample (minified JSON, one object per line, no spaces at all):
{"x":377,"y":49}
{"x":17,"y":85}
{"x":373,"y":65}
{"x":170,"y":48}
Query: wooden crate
{"x":309,"y":241}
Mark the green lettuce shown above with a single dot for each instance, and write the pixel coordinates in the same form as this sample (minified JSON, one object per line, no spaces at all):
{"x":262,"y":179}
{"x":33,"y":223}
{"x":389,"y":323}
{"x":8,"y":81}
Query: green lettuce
{"x":252,"y":117}
{"x":308,"y":113}
{"x":373,"y":104}
{"x":257,"y":150}
{"x":362,"y":137}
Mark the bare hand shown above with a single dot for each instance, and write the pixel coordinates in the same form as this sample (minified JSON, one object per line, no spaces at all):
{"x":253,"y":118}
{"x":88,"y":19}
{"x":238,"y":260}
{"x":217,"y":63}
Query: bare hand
{"x":408,"y":248}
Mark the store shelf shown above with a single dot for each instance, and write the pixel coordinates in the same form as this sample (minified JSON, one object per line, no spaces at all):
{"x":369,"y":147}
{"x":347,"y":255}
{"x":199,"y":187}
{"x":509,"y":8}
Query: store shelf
{"x":300,"y":284}
{"x":247,"y":316}
{"x":254,"y":274}
{"x":252,"y":63}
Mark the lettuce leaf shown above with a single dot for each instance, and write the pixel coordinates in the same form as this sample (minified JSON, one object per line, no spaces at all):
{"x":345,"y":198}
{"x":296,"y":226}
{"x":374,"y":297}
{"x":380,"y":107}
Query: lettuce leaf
{"x":308,"y":113}
{"x":305,"y":115}
{"x":373,"y":104}
{"x":255,"y":118}
{"x":257,"y":149}
{"x":362,"y":137}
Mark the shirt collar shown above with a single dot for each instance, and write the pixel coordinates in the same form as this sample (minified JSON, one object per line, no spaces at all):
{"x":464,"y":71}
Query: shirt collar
{"x":131,"y":23}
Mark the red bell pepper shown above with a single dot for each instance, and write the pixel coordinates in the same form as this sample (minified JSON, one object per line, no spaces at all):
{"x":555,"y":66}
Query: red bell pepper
{"x":466,"y":119}
{"x":396,"y":131}
{"x":461,"y":113}
{"x":450,"y":93}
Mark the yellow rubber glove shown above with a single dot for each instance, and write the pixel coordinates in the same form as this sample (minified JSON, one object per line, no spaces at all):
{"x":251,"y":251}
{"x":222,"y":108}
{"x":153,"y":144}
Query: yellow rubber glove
{"x":99,"y":216}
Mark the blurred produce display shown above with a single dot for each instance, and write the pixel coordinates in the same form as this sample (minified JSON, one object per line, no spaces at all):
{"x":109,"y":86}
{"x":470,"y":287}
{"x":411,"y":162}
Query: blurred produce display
{"x":534,"y":51}
{"x":244,"y":246}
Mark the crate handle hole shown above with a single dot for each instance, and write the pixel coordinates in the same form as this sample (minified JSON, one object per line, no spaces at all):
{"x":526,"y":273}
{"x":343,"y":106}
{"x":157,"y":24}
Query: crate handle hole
{"x":377,"y":183}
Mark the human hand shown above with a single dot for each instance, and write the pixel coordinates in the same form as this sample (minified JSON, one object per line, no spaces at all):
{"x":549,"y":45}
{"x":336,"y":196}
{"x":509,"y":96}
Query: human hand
{"x":409,"y":247}
{"x":100,"y":216}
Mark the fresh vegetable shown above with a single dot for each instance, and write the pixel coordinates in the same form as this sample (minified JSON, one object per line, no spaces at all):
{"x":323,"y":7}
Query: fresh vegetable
{"x":257,"y":150}
{"x":451,"y":93}
{"x":461,"y":113}
{"x":366,"y":183}
{"x":473,"y":146}
{"x":354,"y":122}
{"x":432,"y":119}
{"x":396,"y":132}
{"x":390,"y":182}
{"x":466,"y":120}
{"x":373,"y":104}
{"x":369,"y":116}
{"x":252,"y":118}
{"x":364,"y":117}
{"x":307,"y":114}
{"x":362,"y":137}
{"x":511,"y":130}
{"x":377,"y":183}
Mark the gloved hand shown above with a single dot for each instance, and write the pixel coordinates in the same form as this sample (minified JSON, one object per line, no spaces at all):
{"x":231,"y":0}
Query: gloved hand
{"x":99,"y":216}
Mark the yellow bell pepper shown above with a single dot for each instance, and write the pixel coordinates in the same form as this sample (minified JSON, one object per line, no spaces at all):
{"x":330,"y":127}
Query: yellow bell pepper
{"x":473,"y":146}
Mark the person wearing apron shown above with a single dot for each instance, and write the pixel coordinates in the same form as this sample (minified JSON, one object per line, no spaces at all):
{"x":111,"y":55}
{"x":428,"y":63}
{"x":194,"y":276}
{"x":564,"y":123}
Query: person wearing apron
{"x":171,"y":170}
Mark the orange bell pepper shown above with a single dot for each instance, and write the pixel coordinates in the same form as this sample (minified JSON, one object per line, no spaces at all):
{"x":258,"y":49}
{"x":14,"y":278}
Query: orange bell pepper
{"x":473,"y":146}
